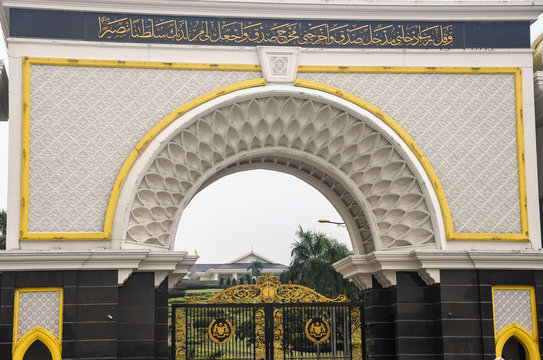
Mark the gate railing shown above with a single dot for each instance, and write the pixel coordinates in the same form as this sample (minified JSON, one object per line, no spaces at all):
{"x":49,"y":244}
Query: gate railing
{"x":267,"y":320}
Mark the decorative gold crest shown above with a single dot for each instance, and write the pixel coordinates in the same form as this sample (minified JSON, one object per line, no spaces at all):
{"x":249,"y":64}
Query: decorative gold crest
{"x":317,"y":330}
{"x":268,"y":289}
{"x":220,"y":331}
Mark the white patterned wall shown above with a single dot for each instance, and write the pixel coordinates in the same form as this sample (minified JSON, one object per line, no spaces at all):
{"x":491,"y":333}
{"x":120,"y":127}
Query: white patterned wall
{"x":513,"y":305}
{"x":84,"y":121}
{"x":465,"y":124}
{"x":38,"y":308}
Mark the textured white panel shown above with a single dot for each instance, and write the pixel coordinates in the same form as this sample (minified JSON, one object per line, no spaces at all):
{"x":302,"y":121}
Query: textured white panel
{"x":279,"y":64}
{"x":465,"y":124}
{"x":513,"y":305}
{"x":38,"y":308}
{"x":84,"y":123}
{"x":346,"y":143}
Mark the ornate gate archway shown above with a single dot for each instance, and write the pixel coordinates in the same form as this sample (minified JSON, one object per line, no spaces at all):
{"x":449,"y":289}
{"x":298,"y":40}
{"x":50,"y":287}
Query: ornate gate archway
{"x":267,"y":320}
{"x":360,"y":164}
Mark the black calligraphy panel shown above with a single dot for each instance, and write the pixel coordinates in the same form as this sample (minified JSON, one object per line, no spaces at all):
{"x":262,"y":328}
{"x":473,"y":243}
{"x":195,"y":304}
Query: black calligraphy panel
{"x":267,"y":32}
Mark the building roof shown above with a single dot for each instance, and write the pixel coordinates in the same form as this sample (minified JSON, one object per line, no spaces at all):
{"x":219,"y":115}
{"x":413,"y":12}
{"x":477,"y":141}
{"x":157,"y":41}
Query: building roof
{"x":240,"y":263}
{"x":250,"y":257}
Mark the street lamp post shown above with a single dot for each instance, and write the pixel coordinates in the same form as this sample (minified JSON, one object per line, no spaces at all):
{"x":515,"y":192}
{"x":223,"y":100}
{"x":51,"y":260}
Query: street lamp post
{"x":339,"y":224}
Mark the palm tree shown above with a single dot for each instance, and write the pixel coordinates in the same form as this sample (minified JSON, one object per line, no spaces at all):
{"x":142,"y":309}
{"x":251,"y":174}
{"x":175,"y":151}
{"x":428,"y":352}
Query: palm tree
{"x":256,"y":269}
{"x":312,"y":257}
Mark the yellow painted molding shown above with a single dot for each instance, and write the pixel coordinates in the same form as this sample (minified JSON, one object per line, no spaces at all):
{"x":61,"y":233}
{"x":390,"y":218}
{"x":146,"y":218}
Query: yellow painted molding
{"x":156,"y":130}
{"x":106,"y":233}
{"x":521,"y":156}
{"x":522,"y":335}
{"x":35,"y":334}
{"x":406,"y":69}
{"x":25,"y":144}
{"x":142,"y":64}
{"x":527,"y":339}
{"x":53,"y":343}
{"x":450,"y":233}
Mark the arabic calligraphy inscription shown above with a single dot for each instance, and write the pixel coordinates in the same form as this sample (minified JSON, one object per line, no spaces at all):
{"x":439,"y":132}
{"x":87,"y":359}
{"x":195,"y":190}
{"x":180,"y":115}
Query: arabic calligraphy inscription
{"x":214,"y":31}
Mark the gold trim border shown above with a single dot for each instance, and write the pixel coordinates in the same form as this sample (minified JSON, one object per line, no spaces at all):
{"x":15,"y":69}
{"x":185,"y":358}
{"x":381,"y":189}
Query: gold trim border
{"x":514,"y":329}
{"x":450,"y":234}
{"x":112,"y":203}
{"x":36,"y":329}
{"x":106,"y":234}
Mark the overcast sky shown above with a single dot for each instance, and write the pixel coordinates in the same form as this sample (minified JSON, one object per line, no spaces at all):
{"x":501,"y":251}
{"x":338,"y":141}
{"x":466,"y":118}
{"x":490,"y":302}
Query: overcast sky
{"x":258,"y":210}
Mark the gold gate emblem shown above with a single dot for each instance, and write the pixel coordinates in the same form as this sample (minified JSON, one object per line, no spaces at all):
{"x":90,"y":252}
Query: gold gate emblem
{"x":220,"y":331}
{"x":317,"y":330}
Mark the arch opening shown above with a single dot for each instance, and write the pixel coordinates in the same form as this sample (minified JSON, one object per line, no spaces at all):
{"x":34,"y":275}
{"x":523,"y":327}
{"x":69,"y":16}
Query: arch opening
{"x":334,"y":190}
{"x":361,"y":168}
{"x":255,"y":210}
{"x":514,"y":350}
{"x":37,"y":351}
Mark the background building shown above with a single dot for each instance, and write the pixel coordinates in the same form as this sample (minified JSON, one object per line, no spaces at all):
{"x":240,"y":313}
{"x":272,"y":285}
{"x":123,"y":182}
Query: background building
{"x":235,"y":269}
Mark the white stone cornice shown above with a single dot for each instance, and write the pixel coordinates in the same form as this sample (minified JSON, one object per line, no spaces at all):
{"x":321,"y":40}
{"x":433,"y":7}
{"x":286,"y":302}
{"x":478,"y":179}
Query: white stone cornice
{"x":387,"y":278}
{"x":123,"y":275}
{"x":430,"y":276}
{"x":160,"y":276}
{"x":46,"y":44}
{"x":502,"y":261}
{"x":362,"y":281}
{"x":125,"y":262}
{"x":428,"y":264}
{"x":512,"y":10}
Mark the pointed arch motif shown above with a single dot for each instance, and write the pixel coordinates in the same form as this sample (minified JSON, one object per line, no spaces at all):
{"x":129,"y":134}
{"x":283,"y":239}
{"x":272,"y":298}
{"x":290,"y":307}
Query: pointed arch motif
{"x":37,"y":333}
{"x":522,"y":335}
{"x":42,"y":321}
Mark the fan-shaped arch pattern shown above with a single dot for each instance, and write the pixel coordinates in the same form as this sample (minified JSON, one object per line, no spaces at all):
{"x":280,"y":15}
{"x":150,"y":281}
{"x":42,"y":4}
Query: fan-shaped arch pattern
{"x":348,"y":145}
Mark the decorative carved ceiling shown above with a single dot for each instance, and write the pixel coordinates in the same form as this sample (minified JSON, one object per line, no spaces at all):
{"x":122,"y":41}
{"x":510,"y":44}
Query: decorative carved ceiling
{"x":338,"y":151}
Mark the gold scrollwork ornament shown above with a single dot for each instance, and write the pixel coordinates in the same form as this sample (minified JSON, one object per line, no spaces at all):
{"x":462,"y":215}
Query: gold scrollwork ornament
{"x":180,"y":335}
{"x":356,"y":334}
{"x":268,"y":289}
{"x":317,"y":330}
{"x":220,"y":331}
{"x":260,"y":335}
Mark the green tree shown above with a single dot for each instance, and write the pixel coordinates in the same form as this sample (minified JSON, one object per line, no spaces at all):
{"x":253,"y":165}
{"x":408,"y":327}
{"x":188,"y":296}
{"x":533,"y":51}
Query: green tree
{"x":247,"y":279}
{"x":255,"y":268}
{"x":3,"y":224}
{"x":312,"y":257}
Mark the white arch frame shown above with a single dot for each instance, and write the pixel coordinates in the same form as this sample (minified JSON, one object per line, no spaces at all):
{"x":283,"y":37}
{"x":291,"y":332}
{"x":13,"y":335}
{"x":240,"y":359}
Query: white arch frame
{"x":324,"y":190}
{"x":143,"y":162}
